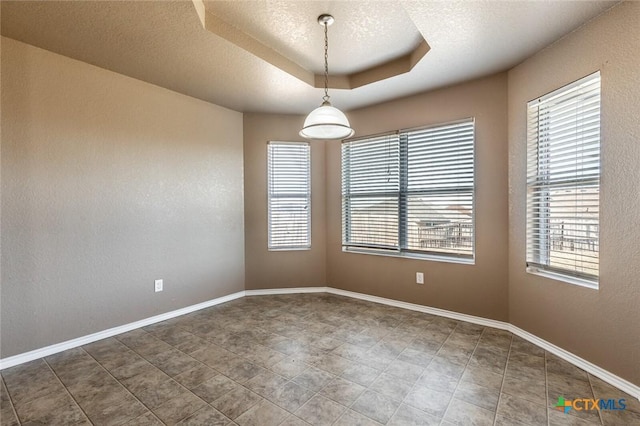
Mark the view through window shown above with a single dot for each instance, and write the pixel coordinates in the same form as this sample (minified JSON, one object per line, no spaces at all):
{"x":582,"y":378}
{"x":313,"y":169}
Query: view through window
{"x":563,"y":181}
{"x":411,"y":192}
{"x":289,"y":195}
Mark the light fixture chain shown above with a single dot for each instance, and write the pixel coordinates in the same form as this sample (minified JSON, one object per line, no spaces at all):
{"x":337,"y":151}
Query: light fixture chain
{"x":326,"y":122}
{"x":326,"y":63}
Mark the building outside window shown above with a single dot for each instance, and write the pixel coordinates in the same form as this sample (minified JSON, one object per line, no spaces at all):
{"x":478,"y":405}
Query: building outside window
{"x":289,"y":195}
{"x":563,"y":182}
{"x":411,"y":192}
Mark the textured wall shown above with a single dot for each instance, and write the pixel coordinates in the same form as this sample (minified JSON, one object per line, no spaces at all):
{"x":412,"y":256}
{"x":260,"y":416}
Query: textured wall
{"x":107,"y":184}
{"x":602,"y":326}
{"x":278,"y":269}
{"x":479,"y":289}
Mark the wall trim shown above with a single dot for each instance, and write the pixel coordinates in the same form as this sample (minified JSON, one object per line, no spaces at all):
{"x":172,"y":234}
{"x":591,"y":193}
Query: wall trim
{"x":422,"y":308}
{"x":296,"y":290}
{"x":84,"y":340}
{"x":589,"y":367}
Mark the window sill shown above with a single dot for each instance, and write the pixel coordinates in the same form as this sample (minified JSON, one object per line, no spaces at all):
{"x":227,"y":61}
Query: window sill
{"x":290,"y":249}
{"x":564,"y":278}
{"x":409,"y":255}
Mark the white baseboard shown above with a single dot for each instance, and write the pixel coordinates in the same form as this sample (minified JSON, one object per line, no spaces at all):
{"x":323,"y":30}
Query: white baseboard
{"x":589,"y":367}
{"x":84,"y":340}
{"x":421,"y":308}
{"x":269,"y":291}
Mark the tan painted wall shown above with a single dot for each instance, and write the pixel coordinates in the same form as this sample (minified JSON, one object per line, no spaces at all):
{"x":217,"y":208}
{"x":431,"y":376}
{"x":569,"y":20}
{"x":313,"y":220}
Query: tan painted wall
{"x":280,"y":269}
{"x":602,"y":326}
{"x":107,"y":184}
{"x":479,"y":289}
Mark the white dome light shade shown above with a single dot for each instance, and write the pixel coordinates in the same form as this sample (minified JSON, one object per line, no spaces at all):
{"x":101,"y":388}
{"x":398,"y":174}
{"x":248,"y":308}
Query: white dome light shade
{"x":326,"y":123}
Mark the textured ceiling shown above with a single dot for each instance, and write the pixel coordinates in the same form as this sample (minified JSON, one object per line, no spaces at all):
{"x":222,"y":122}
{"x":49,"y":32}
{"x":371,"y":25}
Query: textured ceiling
{"x":376,"y":59}
{"x":376,"y":31}
{"x":164,"y":43}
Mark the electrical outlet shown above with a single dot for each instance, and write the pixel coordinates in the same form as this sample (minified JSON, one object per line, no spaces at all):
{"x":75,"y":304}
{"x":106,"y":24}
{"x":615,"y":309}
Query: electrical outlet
{"x":419,"y":278}
{"x":158,"y":285}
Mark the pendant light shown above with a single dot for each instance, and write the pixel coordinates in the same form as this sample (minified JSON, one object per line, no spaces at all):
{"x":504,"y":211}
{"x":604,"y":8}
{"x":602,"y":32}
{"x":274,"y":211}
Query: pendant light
{"x":326,"y":121}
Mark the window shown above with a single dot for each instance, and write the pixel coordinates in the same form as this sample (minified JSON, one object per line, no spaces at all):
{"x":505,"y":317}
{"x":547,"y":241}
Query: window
{"x":410,"y":193}
{"x":563,"y":182}
{"x":289,"y":193}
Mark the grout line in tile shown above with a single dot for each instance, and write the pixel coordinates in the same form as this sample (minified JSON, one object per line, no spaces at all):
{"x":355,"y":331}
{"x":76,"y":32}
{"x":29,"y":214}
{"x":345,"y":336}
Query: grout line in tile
{"x":11,"y":400}
{"x":367,"y":388}
{"x":66,"y":390}
{"x":546,"y":389}
{"x":114,"y":378}
{"x":349,"y":407}
{"x":13,"y":408}
{"x":593,"y":392}
{"x":122,"y":384}
{"x":504,"y":377}
{"x":465,"y":369}
{"x":415,"y":385}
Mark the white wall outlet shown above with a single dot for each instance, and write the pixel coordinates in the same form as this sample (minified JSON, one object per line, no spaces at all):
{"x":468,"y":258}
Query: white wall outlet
{"x":158,"y":285}
{"x":419,"y":278}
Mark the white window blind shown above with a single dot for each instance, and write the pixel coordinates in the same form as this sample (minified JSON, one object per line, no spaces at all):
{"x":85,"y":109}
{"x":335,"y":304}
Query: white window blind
{"x":370,"y":188}
{"x":289,"y":193}
{"x":411,"y":192}
{"x":563,"y":181}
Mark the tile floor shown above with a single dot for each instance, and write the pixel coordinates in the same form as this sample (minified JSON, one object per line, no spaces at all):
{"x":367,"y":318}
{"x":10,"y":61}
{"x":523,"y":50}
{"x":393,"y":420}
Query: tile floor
{"x":305,"y":359}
